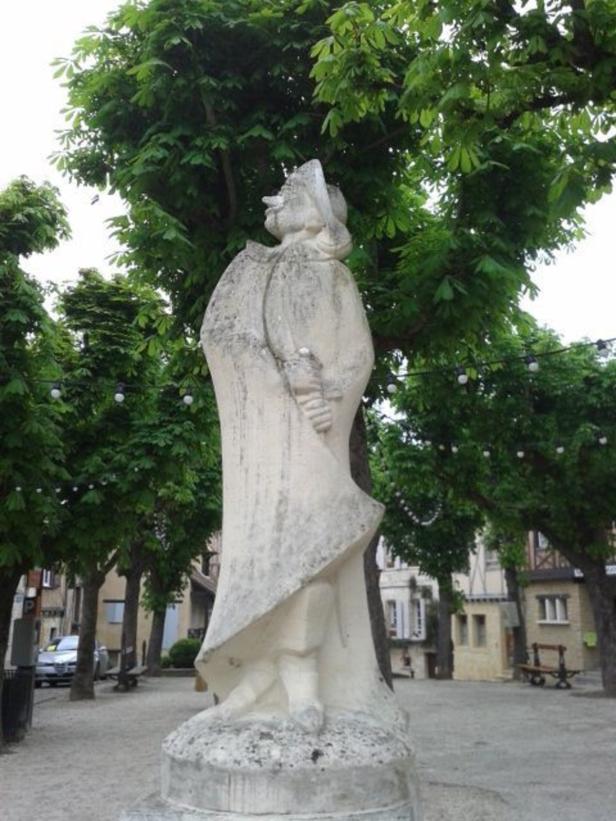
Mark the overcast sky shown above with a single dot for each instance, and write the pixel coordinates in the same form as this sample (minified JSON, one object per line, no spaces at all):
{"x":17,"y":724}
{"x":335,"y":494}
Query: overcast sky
{"x":578,"y":292}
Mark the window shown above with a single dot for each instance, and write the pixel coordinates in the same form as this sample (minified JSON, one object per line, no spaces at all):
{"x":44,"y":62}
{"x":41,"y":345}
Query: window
{"x":114,"y":609}
{"x":47,"y":578}
{"x":462,"y":629}
{"x":419,"y":616}
{"x":541,"y":543}
{"x":479,"y":631}
{"x":492,"y":558}
{"x":392,"y":618}
{"x":62,"y":643}
{"x":553,"y":609}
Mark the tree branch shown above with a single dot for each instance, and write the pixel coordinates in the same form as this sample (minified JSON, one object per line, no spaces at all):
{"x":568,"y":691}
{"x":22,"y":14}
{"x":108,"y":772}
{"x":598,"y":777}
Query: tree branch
{"x":225,"y":160}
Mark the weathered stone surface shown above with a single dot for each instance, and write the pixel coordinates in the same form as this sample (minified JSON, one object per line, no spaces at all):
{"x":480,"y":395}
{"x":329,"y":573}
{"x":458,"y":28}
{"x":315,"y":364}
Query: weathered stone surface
{"x":305,"y":727}
{"x":155,"y":809}
{"x":275,"y":768}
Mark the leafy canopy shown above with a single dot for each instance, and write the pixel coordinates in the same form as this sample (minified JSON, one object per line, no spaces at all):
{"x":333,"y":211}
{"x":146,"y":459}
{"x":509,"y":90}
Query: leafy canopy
{"x":467,"y":136}
{"x":533,"y":451}
{"x":130,"y":460}
{"x":32,"y":219}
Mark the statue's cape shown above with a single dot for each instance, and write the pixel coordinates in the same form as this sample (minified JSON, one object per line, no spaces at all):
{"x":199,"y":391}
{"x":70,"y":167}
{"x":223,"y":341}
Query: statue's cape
{"x":291,"y":511}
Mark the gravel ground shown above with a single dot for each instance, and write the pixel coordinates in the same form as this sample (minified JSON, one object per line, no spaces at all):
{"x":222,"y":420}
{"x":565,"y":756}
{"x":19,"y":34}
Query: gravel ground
{"x":486,"y":752}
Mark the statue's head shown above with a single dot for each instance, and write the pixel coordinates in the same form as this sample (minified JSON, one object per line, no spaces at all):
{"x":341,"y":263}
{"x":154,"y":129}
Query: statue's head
{"x":305,"y":203}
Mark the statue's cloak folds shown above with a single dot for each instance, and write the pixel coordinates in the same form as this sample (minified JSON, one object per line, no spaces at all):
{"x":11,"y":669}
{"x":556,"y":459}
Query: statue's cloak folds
{"x":291,"y":511}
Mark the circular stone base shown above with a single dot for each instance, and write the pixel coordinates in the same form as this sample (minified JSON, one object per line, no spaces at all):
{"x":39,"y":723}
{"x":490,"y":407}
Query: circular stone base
{"x":155,"y":809}
{"x":354,"y":770}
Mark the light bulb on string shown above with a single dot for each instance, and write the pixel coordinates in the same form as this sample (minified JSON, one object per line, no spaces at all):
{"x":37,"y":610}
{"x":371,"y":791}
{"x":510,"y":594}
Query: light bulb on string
{"x":486,"y":453}
{"x":39,"y":490}
{"x":532,"y":363}
{"x":188,"y":399}
{"x":428,"y":443}
{"x":602,"y":439}
{"x":520,"y":454}
{"x":18,"y":489}
{"x":461,"y":376}
{"x":441,"y":447}
{"x":392,"y":384}
{"x":90,"y":486}
{"x":119,"y":395}
{"x":454,"y":448}
{"x":602,"y":348}
{"x":56,"y":391}
{"x":560,"y":449}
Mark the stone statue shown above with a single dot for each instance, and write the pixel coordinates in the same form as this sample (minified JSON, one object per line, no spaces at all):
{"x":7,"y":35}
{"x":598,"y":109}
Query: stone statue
{"x":305,"y":725}
{"x":290,"y":353}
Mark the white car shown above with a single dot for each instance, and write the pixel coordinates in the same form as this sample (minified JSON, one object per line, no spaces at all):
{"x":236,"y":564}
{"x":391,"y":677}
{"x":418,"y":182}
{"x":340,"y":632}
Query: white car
{"x":56,"y":663}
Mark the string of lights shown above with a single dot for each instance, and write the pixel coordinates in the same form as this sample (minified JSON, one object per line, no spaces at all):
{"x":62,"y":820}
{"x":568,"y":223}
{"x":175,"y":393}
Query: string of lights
{"x":58,"y":386}
{"x":530,"y":359}
{"x":600,"y":438}
{"x":121,"y":389}
{"x":412,"y":516}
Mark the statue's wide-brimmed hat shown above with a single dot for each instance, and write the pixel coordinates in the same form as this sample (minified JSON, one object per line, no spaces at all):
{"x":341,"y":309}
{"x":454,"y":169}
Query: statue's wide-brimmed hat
{"x":335,"y":239}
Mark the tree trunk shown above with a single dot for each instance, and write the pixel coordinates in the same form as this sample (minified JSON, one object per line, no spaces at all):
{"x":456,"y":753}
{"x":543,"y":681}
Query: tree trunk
{"x":129,"y":654}
{"x":520,"y":651}
{"x":155,"y":644}
{"x":82,"y":686}
{"x":9,"y":579}
{"x":360,"y":471}
{"x":602,"y":591}
{"x":444,"y":644}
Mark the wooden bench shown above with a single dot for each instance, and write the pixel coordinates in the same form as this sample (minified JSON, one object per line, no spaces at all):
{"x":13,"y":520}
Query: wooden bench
{"x":536,"y":672}
{"x":128,"y":678}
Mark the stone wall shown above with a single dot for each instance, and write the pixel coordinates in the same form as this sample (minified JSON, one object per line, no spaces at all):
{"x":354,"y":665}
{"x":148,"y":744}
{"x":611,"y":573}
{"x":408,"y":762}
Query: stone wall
{"x":570,"y":632}
{"x":481,"y":654}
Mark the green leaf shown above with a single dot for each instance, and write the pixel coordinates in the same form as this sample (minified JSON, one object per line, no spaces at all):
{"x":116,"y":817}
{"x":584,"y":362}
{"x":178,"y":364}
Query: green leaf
{"x":255,"y":131}
{"x":444,"y":292}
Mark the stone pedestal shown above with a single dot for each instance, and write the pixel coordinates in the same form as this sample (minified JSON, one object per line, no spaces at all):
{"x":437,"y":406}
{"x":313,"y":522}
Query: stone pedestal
{"x":354,"y":770}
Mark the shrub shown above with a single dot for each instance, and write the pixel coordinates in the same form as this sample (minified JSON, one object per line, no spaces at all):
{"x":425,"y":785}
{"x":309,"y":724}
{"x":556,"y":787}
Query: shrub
{"x":165,"y":662}
{"x":184,"y":652}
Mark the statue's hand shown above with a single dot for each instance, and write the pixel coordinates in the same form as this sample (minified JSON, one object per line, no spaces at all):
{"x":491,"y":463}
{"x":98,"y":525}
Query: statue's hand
{"x":318,"y":410}
{"x":304,"y":376}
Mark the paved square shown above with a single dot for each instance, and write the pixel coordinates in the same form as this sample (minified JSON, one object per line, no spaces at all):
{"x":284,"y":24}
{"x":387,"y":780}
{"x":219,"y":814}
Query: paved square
{"x":486,"y":752}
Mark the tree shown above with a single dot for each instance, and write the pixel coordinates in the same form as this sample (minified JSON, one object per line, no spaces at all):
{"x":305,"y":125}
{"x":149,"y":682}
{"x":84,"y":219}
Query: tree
{"x":128,"y":436}
{"x":534,"y":450}
{"x":425,"y":524}
{"x":32,"y":220}
{"x":448,"y":144}
{"x":513,"y":110}
{"x":173,"y":529}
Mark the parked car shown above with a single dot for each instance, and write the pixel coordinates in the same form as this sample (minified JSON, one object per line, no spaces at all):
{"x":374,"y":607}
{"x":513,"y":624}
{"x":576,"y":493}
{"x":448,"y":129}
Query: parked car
{"x":56,"y":662}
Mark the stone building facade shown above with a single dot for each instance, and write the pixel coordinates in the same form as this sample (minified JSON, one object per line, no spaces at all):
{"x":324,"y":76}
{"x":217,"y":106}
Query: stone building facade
{"x":482,"y":632}
{"x":406,"y":595}
{"x":558,"y":608}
